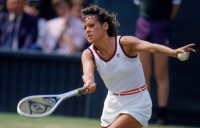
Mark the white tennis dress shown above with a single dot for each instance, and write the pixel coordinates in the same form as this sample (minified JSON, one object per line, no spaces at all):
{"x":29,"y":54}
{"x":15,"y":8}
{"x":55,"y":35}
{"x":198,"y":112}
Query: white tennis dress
{"x":123,"y":76}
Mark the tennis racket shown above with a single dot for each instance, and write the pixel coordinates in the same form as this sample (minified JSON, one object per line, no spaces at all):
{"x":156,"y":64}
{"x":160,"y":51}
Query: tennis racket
{"x":43,"y":105}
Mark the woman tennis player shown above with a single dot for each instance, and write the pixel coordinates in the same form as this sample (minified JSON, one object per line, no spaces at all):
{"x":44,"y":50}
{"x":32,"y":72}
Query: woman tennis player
{"x":128,"y":103}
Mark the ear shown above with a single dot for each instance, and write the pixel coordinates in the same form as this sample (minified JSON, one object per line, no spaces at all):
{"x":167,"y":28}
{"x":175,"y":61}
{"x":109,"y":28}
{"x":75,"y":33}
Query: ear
{"x":105,"y":25}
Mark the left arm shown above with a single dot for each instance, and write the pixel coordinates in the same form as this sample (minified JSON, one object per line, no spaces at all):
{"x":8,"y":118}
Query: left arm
{"x":132,"y":45}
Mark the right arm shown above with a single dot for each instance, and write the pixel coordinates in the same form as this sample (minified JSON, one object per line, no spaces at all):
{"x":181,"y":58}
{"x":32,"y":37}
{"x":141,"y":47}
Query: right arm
{"x":175,"y":9}
{"x":88,"y":71}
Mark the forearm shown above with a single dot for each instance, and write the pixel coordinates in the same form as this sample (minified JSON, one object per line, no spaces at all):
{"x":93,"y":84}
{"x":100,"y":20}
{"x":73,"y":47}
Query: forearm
{"x":144,"y":46}
{"x":175,"y":9}
{"x":88,"y":67}
{"x":88,"y":78}
{"x":161,"y":49}
{"x":89,"y":81}
{"x":135,"y":45}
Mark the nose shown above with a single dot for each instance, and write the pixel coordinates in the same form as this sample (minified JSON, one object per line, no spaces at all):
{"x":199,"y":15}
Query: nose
{"x":87,"y":29}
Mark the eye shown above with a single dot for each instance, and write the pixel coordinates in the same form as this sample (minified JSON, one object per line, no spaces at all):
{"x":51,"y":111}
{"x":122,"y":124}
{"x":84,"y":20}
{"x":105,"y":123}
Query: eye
{"x":84,"y":28}
{"x":91,"y":25}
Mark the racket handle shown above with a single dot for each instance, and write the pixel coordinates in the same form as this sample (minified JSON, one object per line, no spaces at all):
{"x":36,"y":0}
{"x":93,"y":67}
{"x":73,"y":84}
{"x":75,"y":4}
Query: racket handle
{"x":79,"y":91}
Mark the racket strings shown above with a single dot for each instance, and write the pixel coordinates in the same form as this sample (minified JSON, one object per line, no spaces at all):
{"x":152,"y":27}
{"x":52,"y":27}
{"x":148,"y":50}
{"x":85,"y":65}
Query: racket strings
{"x":38,"y":105}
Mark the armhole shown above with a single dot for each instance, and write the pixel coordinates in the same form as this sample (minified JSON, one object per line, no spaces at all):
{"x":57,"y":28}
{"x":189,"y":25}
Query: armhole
{"x":124,"y":50}
{"x":92,"y":56}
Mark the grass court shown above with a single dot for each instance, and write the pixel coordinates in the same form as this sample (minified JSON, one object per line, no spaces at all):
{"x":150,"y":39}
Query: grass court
{"x":13,"y":120}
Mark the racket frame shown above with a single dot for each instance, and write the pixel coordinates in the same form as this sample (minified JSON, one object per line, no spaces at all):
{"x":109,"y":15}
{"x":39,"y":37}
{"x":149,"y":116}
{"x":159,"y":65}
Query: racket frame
{"x":61,"y":97}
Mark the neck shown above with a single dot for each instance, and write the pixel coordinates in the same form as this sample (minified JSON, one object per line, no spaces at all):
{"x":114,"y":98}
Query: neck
{"x":106,"y":46}
{"x":103,"y":44}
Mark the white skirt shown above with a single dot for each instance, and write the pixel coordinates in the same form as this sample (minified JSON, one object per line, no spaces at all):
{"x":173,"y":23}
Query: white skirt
{"x":137,"y":105}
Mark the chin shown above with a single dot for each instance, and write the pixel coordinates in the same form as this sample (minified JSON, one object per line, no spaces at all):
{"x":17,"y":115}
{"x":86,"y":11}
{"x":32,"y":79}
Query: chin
{"x":90,"y":41}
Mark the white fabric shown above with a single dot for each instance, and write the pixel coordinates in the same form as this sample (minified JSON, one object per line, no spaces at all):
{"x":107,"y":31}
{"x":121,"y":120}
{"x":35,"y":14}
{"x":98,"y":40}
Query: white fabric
{"x":41,"y":30}
{"x":120,"y":74}
{"x":56,"y":26}
{"x":137,"y":105}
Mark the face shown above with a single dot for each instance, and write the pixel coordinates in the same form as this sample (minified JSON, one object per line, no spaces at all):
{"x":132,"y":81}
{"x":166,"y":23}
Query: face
{"x":15,"y":6}
{"x":76,"y":10}
{"x":61,"y":8}
{"x":94,"y":31}
{"x":31,"y":10}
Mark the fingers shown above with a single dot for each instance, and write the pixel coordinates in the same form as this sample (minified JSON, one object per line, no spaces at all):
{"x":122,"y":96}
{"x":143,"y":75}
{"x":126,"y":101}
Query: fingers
{"x":188,"y":48}
{"x":191,"y":50}
{"x":85,"y":88}
{"x":85,"y":91}
{"x":191,"y":45}
{"x":89,"y":88}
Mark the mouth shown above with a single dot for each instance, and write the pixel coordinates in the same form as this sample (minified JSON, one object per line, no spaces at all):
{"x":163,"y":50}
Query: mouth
{"x":89,"y":36}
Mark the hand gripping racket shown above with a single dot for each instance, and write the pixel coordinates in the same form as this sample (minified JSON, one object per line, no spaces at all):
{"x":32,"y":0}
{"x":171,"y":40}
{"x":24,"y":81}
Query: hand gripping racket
{"x":43,"y":105}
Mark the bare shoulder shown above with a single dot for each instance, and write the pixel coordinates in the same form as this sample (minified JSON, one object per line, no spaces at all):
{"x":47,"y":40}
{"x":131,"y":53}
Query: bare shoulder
{"x":87,"y":58}
{"x":128,"y":40}
{"x":129,"y":44}
{"x":87,"y":54}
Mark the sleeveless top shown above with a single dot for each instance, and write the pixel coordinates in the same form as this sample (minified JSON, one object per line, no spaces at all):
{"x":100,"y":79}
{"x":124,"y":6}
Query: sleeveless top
{"x":121,"y":72}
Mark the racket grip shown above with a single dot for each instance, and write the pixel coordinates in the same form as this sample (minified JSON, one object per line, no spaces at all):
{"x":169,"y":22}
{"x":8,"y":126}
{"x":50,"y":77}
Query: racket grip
{"x":79,"y":91}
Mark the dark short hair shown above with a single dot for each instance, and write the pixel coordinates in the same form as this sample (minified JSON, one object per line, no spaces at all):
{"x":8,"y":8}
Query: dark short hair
{"x":102,"y":16}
